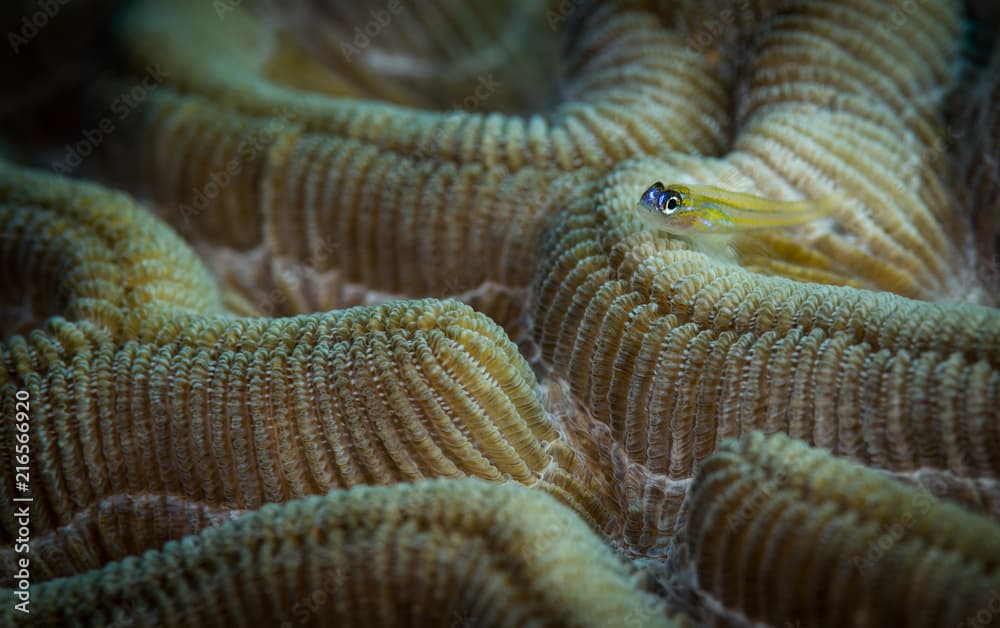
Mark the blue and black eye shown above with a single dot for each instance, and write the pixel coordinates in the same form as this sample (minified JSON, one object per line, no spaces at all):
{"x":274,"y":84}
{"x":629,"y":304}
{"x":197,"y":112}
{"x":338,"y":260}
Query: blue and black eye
{"x":668,"y":201}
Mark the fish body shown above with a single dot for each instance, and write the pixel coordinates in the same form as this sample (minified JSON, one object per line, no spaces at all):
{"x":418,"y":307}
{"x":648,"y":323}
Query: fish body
{"x":687,"y":209}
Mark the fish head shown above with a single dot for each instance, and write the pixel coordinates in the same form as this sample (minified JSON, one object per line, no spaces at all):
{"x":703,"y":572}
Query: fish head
{"x":670,"y":206}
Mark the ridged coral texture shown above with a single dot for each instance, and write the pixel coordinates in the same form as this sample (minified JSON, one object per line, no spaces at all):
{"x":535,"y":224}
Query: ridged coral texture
{"x":114,"y":528}
{"x":443,"y":552}
{"x":245,"y":377}
{"x":787,"y":535}
{"x":241,"y":412}
{"x":88,"y":253}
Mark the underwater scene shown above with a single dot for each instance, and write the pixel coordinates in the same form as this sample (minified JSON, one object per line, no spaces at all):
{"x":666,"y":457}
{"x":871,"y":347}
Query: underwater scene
{"x":462,"y":313}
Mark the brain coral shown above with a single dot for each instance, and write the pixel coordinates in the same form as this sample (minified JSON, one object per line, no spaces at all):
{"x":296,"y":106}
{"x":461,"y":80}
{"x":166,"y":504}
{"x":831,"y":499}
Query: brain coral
{"x":863,"y":549}
{"x":431,"y":553}
{"x":261,"y":396}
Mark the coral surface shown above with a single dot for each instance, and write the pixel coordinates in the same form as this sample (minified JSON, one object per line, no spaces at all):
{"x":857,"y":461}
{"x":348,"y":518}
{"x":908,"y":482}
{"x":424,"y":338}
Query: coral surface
{"x":340,"y":356}
{"x":432,"y":553}
{"x":900,"y":544}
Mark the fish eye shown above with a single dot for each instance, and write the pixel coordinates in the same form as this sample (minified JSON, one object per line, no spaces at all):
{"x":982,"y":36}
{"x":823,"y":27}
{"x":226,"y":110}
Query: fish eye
{"x":669,"y":201}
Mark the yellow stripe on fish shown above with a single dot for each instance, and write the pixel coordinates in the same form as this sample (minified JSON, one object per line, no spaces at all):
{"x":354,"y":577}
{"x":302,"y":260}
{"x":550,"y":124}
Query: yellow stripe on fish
{"x":686,"y":209}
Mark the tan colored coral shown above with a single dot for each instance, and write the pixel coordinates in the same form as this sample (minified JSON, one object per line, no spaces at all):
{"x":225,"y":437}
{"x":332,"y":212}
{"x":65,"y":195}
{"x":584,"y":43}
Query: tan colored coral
{"x":240,"y":412}
{"x":635,"y":508}
{"x":844,"y":97}
{"x":849,"y":329}
{"x":301,"y":222}
{"x":112,"y":529}
{"x":444,"y":552}
{"x":432,"y":55}
{"x":667,"y":351}
{"x":347,"y":196}
{"x":600,"y":119}
{"x":88,"y":253}
{"x":787,"y":535}
{"x":976,"y":494}
{"x":676,"y":351}
{"x":823,"y":110}
{"x":235,"y":412}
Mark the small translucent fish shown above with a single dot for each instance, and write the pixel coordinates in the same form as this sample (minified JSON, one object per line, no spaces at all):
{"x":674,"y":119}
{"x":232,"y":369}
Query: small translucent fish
{"x":690,"y":209}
